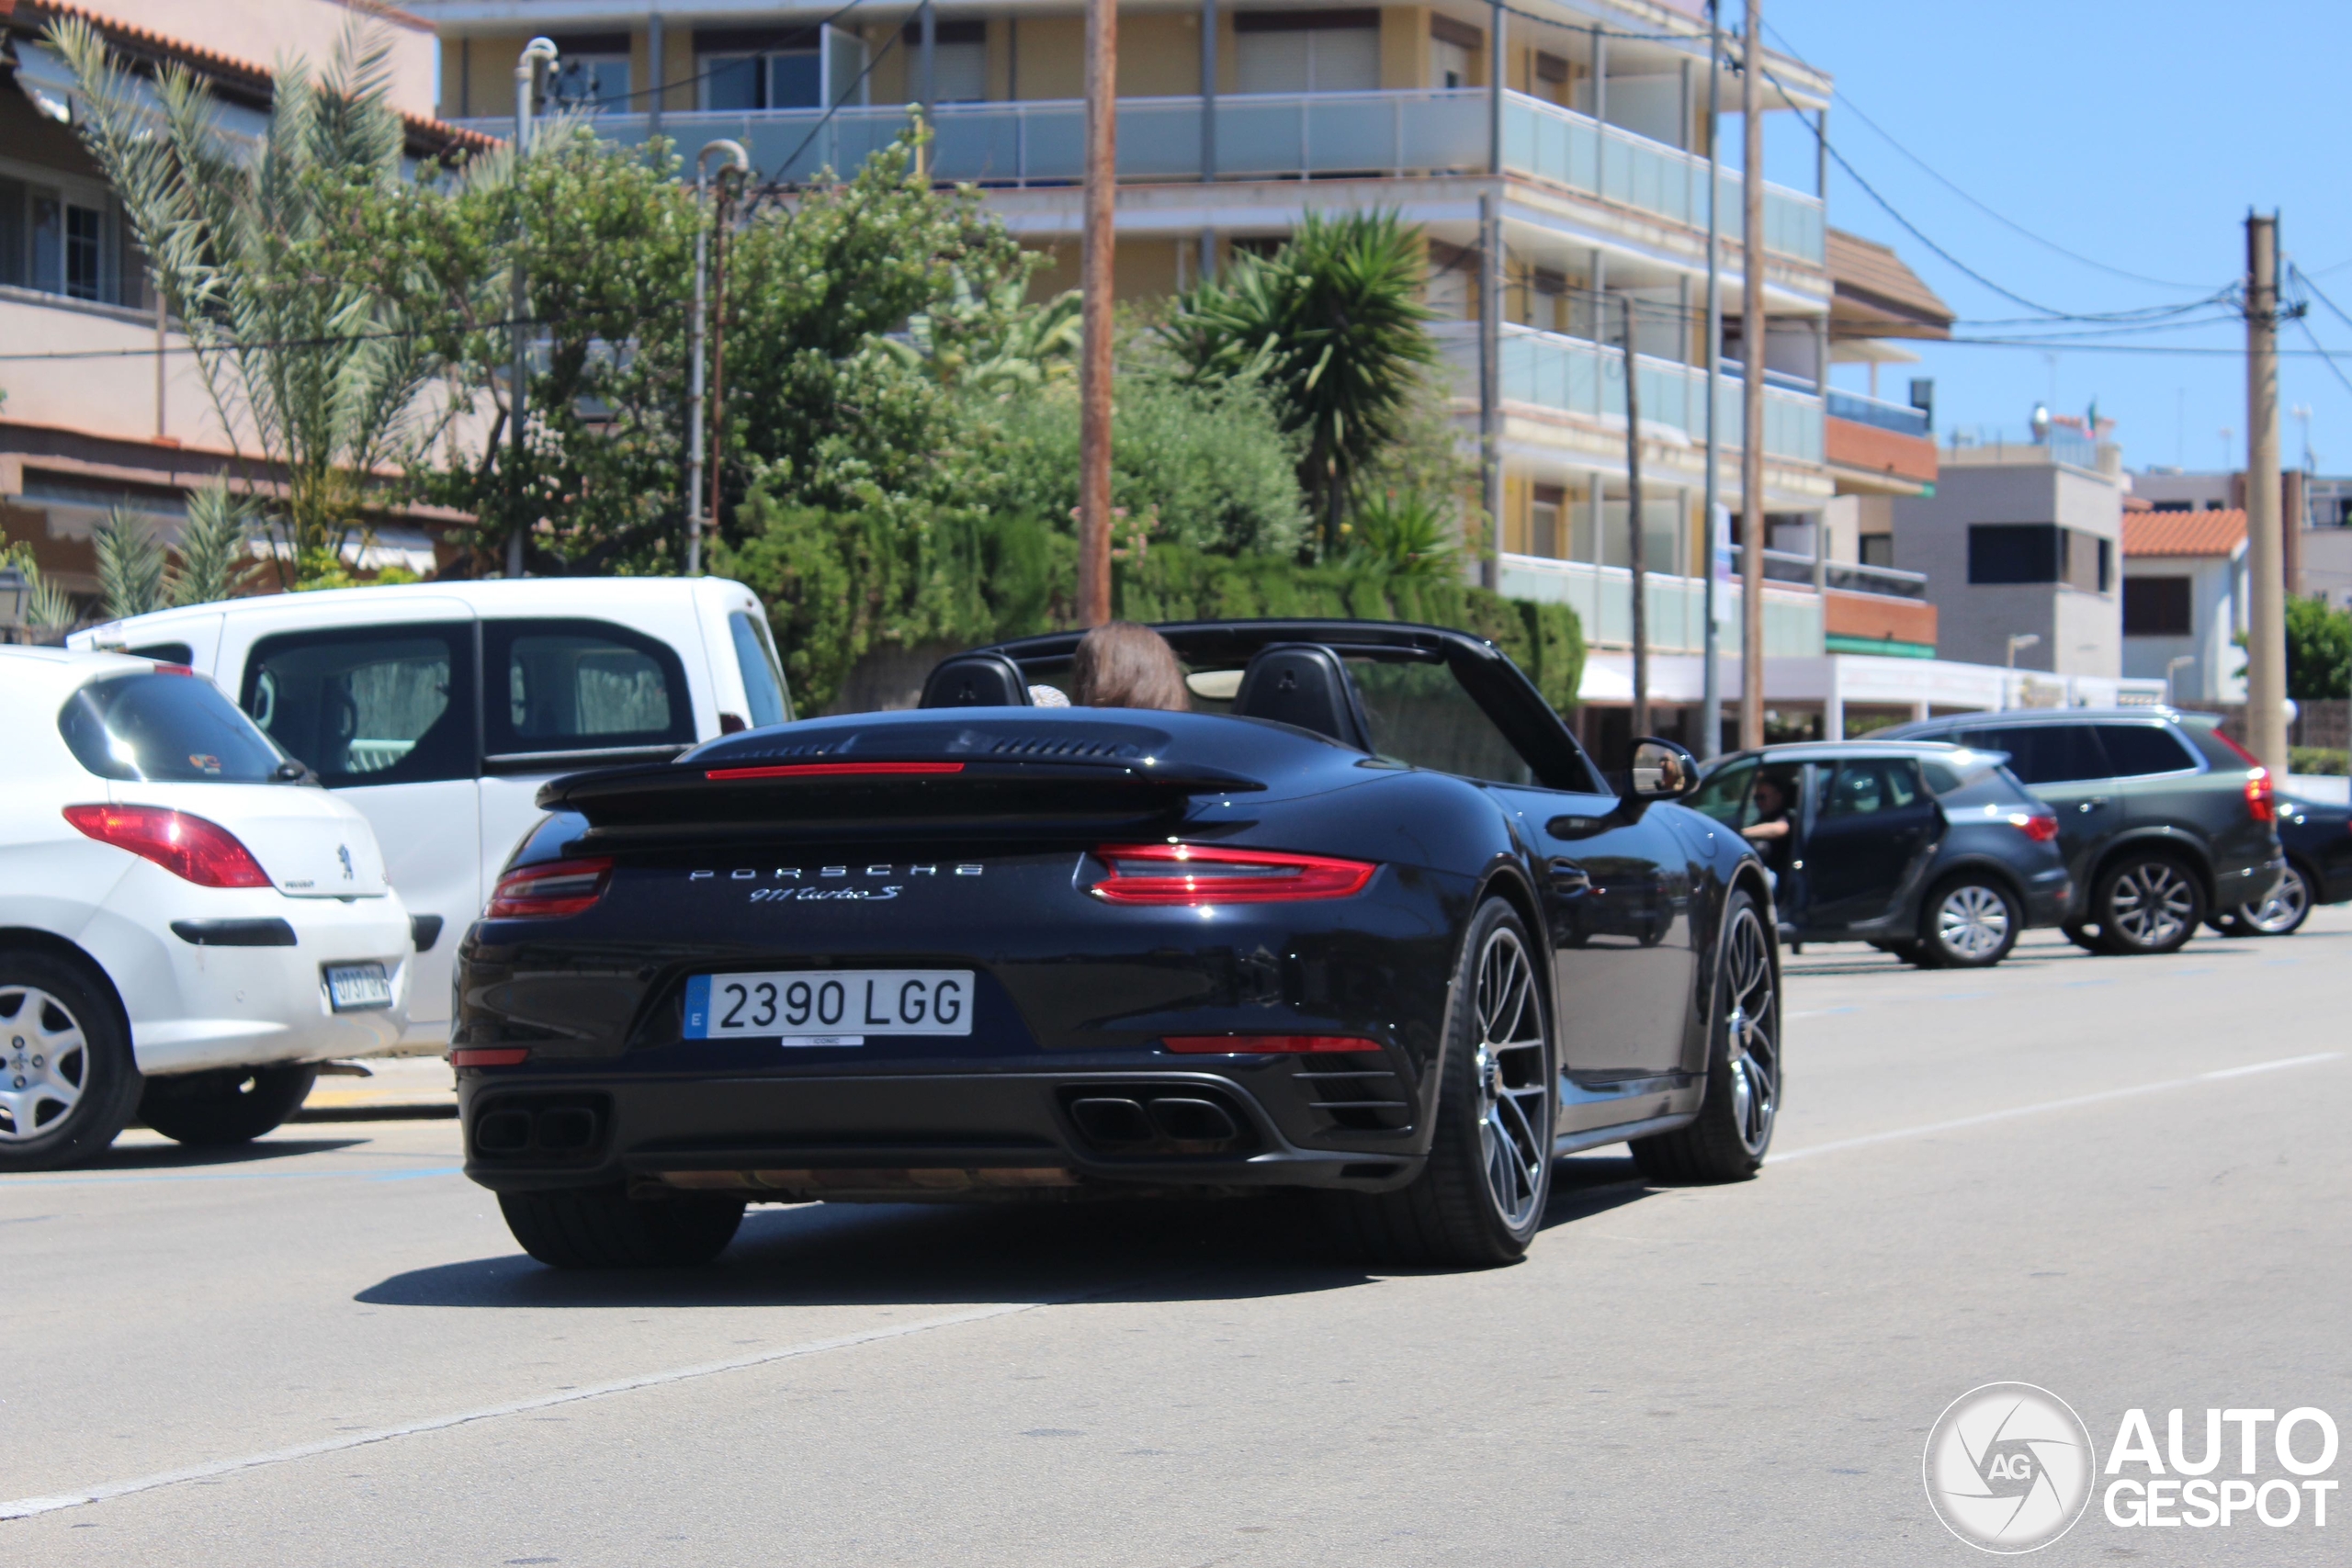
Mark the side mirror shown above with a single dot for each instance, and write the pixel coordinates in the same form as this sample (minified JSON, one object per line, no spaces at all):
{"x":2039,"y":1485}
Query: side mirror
{"x":1660,"y":770}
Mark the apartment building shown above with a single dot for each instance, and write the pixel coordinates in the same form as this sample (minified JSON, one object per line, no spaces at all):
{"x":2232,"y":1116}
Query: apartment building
{"x":100,"y":403}
{"x":2314,"y":511}
{"x":1237,"y":120}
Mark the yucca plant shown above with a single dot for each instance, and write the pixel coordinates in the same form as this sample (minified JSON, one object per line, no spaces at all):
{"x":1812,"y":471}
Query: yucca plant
{"x":317,"y":376}
{"x":132,"y":565}
{"x":1409,"y":535}
{"x":1333,"y":323}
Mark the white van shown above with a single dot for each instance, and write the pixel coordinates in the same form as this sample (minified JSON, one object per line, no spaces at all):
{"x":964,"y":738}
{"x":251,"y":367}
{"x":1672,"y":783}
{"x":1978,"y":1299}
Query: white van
{"x":439,"y":708}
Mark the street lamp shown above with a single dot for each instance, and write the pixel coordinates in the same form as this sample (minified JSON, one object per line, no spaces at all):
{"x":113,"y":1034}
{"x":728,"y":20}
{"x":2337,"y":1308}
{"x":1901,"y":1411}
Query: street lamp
{"x":741,"y":162}
{"x":2171,"y":699}
{"x":2021,"y":639}
{"x":538,"y":52}
{"x":15,"y":592}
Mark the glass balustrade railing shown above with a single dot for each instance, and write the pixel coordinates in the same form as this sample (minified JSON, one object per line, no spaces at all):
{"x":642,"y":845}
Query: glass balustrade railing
{"x":1259,"y":136}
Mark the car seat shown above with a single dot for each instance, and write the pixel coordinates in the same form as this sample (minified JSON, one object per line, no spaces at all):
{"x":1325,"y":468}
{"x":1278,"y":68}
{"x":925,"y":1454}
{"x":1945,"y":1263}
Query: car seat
{"x":1303,"y":684}
{"x":976,"y":680}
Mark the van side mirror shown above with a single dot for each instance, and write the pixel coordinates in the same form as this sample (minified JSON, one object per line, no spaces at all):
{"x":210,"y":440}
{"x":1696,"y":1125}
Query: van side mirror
{"x":1660,"y":769}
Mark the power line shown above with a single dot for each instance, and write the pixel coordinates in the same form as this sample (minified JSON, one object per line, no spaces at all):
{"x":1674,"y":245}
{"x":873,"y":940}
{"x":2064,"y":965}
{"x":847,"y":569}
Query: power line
{"x":1935,"y":174}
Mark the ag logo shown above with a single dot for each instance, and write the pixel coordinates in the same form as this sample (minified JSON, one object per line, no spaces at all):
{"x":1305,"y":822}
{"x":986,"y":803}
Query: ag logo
{"x":2008,"y":1467}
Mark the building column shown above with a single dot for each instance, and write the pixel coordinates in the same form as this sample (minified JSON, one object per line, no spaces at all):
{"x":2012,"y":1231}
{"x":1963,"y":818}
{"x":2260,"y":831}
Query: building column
{"x":1833,"y":704}
{"x":656,"y":90}
{"x":927,"y":61}
{"x":1208,"y":129}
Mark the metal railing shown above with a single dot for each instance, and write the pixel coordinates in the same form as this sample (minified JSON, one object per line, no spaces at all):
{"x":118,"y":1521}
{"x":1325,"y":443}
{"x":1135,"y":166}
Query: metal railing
{"x":1901,"y":418}
{"x":1603,"y":597}
{"x":1570,"y":374}
{"x":1786,"y":566}
{"x":1028,"y":142}
{"x":1885,"y":581}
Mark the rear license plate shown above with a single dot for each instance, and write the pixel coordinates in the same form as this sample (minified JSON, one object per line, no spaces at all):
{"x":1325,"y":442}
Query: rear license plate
{"x":356,"y":988}
{"x":829,"y":1006}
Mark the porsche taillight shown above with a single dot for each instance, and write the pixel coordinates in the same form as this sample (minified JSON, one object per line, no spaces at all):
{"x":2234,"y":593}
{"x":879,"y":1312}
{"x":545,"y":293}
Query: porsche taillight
{"x":189,"y":847}
{"x":1219,"y":873}
{"x":551,"y":888}
{"x":2261,"y":795}
{"x":1268,"y":1045}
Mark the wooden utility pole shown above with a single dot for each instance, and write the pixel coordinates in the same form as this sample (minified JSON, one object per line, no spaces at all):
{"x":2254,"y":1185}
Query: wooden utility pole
{"x":2265,"y":673}
{"x":1490,"y":309}
{"x":1751,"y":355}
{"x":1710,"y":695}
{"x":1636,"y":555}
{"x":1094,"y":289}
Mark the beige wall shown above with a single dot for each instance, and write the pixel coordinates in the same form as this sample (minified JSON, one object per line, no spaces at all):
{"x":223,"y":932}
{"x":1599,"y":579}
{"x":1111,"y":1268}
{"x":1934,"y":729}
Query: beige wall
{"x":112,"y":397}
{"x":264,"y":32}
{"x":1404,"y":47}
{"x":1140,"y":269}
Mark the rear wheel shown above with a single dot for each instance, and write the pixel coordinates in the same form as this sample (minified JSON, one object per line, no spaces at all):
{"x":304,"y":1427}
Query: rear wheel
{"x":2283,"y":912}
{"x":231,"y":1105}
{"x":2147,"y":902}
{"x":1735,"y":1123}
{"x":1480,"y":1199}
{"x":1969,"y":921}
{"x":67,"y":1081}
{"x":604,"y":1229}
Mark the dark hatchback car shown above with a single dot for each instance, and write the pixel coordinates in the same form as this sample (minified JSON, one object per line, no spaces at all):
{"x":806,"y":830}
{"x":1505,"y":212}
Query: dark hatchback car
{"x":2161,"y":818}
{"x":1933,"y":852}
{"x":2317,"y":838}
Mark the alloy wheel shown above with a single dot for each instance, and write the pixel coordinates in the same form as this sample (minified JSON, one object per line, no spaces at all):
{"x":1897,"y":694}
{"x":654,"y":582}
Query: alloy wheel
{"x":1754,"y":1025}
{"x":1513,"y":1065}
{"x":2153,"y":902}
{"x":2283,"y":911}
{"x":1972,"y":921}
{"x":44,"y":1062}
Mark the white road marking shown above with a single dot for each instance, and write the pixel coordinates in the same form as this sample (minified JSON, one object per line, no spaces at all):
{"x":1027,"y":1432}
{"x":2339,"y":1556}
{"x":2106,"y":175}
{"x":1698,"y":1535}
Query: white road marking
{"x":26,"y":1507}
{"x":2102,"y":1097}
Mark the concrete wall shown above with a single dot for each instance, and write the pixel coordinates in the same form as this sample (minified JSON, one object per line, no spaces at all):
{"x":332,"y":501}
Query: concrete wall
{"x":2081,"y":632}
{"x":266,"y":32}
{"x":2216,"y":597}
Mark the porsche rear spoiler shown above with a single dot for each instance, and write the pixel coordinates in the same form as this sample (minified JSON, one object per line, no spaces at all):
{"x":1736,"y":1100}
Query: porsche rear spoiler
{"x":893,"y":797}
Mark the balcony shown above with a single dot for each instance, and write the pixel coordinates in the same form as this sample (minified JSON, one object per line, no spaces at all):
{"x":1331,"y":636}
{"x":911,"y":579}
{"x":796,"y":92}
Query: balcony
{"x":1259,"y":137}
{"x":1603,"y":597}
{"x":1900,"y":418}
{"x":1572,"y":376}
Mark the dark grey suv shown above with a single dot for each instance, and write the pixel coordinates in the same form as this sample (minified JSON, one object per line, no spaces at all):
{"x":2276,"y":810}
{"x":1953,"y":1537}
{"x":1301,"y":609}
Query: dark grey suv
{"x":2160,"y":817}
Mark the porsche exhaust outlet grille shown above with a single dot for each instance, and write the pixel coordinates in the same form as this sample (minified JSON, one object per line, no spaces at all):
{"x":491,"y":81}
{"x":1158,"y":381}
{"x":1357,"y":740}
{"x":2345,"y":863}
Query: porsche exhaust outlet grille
{"x":1173,"y":1119}
{"x":540,"y":1130}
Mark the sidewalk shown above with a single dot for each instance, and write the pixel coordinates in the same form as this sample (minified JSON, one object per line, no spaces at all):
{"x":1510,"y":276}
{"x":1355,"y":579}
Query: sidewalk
{"x":397,"y":1088}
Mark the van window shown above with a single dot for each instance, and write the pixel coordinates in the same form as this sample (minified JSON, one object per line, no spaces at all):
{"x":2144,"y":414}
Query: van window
{"x":158,"y":729}
{"x":763,"y":678}
{"x":369,"y":705}
{"x":582,"y":686}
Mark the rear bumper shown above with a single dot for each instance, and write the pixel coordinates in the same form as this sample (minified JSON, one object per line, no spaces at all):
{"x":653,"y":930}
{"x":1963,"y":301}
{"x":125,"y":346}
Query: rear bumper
{"x":2247,"y":884}
{"x":1248,"y":1123}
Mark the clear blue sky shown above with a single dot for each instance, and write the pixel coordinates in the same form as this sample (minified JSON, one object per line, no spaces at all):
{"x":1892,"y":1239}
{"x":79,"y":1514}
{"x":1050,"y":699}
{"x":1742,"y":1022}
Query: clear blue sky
{"x":2135,"y":134}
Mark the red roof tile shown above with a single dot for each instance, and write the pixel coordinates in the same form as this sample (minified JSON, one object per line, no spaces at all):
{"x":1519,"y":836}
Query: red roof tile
{"x":2208,"y":533}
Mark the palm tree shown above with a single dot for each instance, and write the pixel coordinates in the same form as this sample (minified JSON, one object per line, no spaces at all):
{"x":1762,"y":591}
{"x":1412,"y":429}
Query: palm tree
{"x":1333,"y":323}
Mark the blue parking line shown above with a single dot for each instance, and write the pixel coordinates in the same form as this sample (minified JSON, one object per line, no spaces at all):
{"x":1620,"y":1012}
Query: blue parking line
{"x":10,"y":1183}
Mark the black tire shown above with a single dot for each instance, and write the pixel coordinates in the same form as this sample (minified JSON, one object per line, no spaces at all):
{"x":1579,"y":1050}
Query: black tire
{"x":2284,"y":912}
{"x":604,"y":1228}
{"x":65,"y":1062}
{"x":2147,"y":902}
{"x":226,"y":1106}
{"x":1733,"y":1129}
{"x":1480,"y":1197}
{"x":1968,"y":920}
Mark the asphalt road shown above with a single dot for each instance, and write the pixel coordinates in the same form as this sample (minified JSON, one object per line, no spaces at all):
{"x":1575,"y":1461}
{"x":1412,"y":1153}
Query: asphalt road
{"x":2128,"y":1181}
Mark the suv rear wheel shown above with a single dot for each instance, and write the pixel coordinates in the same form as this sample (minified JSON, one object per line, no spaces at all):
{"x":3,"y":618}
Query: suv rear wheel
{"x":2147,"y":901}
{"x":1967,"y":922}
{"x":2280,"y":914}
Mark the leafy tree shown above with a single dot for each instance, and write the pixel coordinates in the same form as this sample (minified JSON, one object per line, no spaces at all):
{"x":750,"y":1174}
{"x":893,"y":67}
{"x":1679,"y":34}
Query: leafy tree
{"x":315,"y":373}
{"x":1333,"y":323}
{"x":2319,"y":650}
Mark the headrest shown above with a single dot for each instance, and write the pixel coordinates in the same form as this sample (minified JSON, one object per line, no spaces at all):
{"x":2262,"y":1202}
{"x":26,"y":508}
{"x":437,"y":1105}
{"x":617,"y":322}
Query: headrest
{"x":976,"y":680}
{"x":1304,"y":683}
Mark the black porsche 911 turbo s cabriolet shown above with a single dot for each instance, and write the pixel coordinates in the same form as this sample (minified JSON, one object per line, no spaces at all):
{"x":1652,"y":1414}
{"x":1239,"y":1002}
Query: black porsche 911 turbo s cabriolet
{"x":1366,"y":921}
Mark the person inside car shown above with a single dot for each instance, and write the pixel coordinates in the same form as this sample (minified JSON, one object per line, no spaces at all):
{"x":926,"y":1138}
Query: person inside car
{"x":1768,"y":829}
{"x":1122,"y":665}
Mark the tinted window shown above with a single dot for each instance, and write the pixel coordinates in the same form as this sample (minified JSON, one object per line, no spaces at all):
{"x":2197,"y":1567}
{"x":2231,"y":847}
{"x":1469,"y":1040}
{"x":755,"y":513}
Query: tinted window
{"x":164,"y":729}
{"x":2133,"y":749}
{"x":2044,"y":754}
{"x":1420,"y":716}
{"x":370,"y":705}
{"x":762,"y":680}
{"x":2156,"y":606}
{"x":2013,"y":552}
{"x":1724,"y":795}
{"x":1865,"y":789}
{"x":582,"y":686}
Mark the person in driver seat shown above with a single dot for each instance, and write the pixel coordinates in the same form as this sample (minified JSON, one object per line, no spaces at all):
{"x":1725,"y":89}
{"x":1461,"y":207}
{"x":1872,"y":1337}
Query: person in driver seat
{"x":1122,"y":665}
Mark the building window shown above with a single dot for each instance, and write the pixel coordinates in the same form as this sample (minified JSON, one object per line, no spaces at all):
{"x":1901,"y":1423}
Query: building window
{"x":592,"y":70}
{"x":2175,"y":506}
{"x":2013,"y":552}
{"x":2156,"y":606}
{"x":959,"y":60}
{"x":1543,"y":521}
{"x":1878,"y":549}
{"x":63,"y":243}
{"x":753,"y":68}
{"x":1307,"y":52}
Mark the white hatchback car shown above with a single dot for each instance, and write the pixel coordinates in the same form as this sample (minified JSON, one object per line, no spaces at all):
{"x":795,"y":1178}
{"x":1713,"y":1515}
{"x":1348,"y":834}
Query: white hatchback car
{"x":188,"y":926}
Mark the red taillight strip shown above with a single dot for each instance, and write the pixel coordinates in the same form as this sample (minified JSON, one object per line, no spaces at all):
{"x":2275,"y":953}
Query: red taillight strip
{"x":2261,"y":795}
{"x":551,"y":888}
{"x":1266,"y":1045}
{"x":1210,"y":873}
{"x":489,"y":1056}
{"x":832,"y":770}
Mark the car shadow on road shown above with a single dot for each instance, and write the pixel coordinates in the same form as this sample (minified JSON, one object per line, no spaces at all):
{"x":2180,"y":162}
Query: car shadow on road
{"x":178,"y":1156}
{"x":866,"y":1254}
